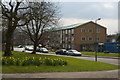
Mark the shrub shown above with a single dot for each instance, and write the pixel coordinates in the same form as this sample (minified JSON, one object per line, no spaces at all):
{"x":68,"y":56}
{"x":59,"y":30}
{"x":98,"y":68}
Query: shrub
{"x":32,"y":61}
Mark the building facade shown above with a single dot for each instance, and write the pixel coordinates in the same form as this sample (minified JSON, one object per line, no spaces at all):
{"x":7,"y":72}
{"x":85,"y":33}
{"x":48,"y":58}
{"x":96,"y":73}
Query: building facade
{"x":76,"y":36}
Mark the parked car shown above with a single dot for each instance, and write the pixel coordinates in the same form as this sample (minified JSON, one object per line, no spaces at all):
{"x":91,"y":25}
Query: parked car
{"x":20,"y":46}
{"x":61,"y":52}
{"x":30,"y":48}
{"x":44,"y":50}
{"x":73,"y":53}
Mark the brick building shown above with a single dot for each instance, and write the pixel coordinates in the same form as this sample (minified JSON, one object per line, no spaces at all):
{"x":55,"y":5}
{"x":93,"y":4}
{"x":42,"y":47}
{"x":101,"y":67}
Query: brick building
{"x":76,"y":36}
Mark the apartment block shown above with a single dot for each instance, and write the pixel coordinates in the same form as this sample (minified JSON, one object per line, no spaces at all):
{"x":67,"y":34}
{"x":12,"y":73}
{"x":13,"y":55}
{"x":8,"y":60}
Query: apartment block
{"x":77,"y":36}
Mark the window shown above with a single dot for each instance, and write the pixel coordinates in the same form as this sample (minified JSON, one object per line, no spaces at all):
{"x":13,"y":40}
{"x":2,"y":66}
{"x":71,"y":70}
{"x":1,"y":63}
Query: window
{"x":66,"y":32}
{"x":72,"y":30}
{"x":69,"y":31}
{"x":63,"y":45}
{"x":97,"y":31}
{"x":72,"y":38}
{"x":90,"y":38}
{"x":61,"y":41}
{"x":90,"y":30}
{"x":72,"y":46}
{"x":63,"y":38}
{"x":97,"y":38}
{"x":69,"y":38}
{"x":83,"y":30}
{"x":83,"y":38}
{"x":66,"y":45}
{"x":63,"y":31}
{"x":69,"y":46}
{"x":66,"y":38}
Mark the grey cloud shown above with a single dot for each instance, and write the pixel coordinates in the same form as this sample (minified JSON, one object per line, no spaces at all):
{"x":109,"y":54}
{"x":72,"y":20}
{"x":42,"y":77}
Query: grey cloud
{"x":88,"y":10}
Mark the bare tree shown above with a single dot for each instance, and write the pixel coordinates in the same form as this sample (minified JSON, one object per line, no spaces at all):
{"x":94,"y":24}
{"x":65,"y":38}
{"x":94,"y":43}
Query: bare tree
{"x":44,"y":14}
{"x":15,"y":12}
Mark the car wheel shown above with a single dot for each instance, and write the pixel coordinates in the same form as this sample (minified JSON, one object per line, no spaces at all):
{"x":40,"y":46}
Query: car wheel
{"x":68,"y":54}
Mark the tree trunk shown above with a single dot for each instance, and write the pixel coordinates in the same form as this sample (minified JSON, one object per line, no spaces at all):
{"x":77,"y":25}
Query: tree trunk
{"x":35,"y":47}
{"x":12,"y":46}
{"x":8,"y":44}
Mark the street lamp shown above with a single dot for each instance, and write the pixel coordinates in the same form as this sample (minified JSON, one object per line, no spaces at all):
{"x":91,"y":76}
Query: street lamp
{"x":95,"y":43}
{"x":97,"y":20}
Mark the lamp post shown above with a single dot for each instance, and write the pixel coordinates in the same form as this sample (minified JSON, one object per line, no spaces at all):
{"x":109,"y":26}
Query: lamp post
{"x":95,"y":43}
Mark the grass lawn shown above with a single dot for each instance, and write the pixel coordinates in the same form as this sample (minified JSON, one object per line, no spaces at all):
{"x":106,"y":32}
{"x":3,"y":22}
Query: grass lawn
{"x":74,"y":65}
{"x":102,"y":54}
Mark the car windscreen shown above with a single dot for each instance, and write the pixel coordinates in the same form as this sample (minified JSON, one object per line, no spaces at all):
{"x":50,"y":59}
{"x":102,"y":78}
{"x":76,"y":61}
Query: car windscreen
{"x":44,"y":49}
{"x":74,"y":50}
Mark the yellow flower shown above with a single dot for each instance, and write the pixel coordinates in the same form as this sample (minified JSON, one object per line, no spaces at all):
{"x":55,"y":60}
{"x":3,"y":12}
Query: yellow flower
{"x":10,"y":57}
{"x":33,"y":58}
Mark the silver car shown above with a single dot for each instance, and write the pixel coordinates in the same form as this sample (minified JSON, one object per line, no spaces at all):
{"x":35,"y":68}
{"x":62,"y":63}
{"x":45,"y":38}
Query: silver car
{"x":73,"y":53}
{"x":30,"y":48}
{"x":44,"y":50}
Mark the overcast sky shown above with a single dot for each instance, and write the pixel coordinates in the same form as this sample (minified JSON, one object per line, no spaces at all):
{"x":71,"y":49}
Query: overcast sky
{"x":81,"y":12}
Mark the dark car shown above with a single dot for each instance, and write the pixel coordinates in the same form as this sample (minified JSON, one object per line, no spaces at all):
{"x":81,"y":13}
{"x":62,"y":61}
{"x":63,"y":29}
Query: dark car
{"x":61,"y":51}
{"x":44,"y":50}
{"x":73,"y":53}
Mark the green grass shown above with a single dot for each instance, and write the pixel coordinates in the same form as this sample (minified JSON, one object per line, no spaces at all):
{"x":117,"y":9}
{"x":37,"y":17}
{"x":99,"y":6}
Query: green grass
{"x":102,"y":54}
{"x":74,"y":65}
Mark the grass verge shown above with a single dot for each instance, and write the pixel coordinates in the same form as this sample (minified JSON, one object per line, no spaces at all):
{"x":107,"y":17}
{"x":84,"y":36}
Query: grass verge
{"x":102,"y":54}
{"x":74,"y":65}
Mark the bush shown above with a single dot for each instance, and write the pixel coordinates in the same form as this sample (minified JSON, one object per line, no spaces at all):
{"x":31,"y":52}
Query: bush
{"x":32,"y":61}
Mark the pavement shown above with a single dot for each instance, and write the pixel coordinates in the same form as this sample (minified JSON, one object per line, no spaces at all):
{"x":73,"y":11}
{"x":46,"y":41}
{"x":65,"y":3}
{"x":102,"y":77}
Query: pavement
{"x":89,"y":74}
{"x":86,"y":74}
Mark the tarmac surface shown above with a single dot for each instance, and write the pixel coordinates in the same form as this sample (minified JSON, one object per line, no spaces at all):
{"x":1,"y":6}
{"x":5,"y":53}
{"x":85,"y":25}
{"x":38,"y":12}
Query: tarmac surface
{"x":89,"y":74}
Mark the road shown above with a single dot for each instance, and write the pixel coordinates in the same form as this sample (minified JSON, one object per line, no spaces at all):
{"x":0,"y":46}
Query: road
{"x":92,"y":58}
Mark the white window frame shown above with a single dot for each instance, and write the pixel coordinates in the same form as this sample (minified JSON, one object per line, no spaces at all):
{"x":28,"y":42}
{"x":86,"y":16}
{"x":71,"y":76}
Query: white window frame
{"x":89,"y":38}
{"x":63,"y":38}
{"x":82,"y":38}
{"x":72,"y":38}
{"x":69,"y":38}
{"x":72,"y":46}
{"x":97,"y":30}
{"x":63,"y":45}
{"x":69,"y":31}
{"x":83,"y":30}
{"x":66,"y":32}
{"x":72,"y":31}
{"x":97,"y":38}
{"x":66,"y":45}
{"x":91,"y":30}
{"x":69,"y":46}
{"x":63,"y":32}
{"x":66,"y":38}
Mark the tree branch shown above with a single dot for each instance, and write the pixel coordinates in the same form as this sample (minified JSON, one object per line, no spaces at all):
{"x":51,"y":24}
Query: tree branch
{"x":10,"y":3}
{"x":30,"y":34}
